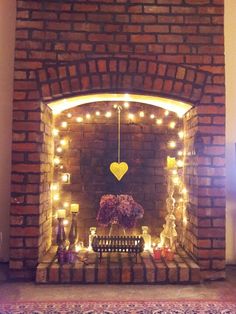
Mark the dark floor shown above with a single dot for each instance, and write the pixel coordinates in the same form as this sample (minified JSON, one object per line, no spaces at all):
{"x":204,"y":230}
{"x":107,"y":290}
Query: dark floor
{"x":29,"y":291}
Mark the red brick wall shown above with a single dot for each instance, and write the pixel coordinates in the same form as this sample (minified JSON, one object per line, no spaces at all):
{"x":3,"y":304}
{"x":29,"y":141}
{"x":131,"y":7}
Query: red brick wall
{"x":173,"y":40}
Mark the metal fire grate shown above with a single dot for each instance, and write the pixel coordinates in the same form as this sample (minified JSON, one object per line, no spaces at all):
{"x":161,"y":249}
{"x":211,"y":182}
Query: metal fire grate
{"x":121,"y":244}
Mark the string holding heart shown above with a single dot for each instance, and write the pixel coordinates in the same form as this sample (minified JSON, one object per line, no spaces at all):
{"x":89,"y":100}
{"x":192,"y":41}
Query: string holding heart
{"x":119,"y":169}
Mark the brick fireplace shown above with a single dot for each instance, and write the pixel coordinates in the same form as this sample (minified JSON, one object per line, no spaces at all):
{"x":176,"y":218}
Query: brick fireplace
{"x":171,"y":49}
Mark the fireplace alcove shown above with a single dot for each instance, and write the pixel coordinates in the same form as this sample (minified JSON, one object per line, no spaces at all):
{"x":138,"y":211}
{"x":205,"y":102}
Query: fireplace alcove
{"x":205,"y":230}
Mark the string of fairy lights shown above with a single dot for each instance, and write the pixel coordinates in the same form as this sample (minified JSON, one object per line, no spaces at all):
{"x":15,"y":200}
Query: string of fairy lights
{"x":62,"y":144}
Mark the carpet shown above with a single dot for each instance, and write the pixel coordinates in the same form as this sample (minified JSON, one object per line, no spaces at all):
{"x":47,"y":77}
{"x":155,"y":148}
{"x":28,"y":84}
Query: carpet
{"x":126,"y":307}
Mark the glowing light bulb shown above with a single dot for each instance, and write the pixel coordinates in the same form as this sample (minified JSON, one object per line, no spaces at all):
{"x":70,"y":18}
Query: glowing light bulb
{"x":64,"y":124}
{"x":66,"y":204}
{"x":88,"y":116}
{"x":65,"y":222}
{"x":184,"y":191}
{"x":172,"y":144}
{"x":69,"y":115}
{"x":166,"y":113}
{"x":115,"y":106}
{"x":141,"y":114}
{"x":59,"y":149}
{"x":126,"y":105}
{"x":159,"y":121}
{"x":108,"y":114}
{"x":181,"y":134}
{"x":55,"y":186}
{"x":97,"y":113}
{"x":56,"y":197}
{"x":152,"y":116}
{"x":55,"y":132}
{"x":176,"y":180}
{"x":180,"y":153}
{"x":63,"y":142}
{"x":180,"y":163}
{"x":131,"y":116}
{"x":79,"y":119}
{"x":56,"y":161}
{"x":172,"y":124}
{"x":174,"y":172}
{"x":185,"y":221}
{"x":61,"y":167}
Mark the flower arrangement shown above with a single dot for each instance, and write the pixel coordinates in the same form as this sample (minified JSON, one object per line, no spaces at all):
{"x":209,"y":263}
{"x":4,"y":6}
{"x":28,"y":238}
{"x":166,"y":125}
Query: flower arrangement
{"x":120,"y":209}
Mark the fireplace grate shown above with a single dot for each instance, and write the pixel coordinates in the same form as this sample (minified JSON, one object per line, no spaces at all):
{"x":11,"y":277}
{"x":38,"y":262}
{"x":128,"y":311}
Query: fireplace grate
{"x":121,"y":244}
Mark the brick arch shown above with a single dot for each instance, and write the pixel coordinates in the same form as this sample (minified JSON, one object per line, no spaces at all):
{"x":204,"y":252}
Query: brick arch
{"x":118,"y":75}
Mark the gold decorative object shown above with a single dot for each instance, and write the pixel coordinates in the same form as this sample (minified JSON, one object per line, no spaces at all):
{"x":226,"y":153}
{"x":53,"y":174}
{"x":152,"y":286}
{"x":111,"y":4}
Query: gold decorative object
{"x":119,"y":169}
{"x":169,"y":234}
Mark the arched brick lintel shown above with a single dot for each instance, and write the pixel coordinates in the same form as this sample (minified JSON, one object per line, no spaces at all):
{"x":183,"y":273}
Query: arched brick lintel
{"x":119,"y":75}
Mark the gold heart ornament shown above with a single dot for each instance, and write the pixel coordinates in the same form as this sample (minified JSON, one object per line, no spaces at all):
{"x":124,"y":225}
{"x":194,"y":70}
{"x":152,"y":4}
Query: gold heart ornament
{"x":119,"y":169}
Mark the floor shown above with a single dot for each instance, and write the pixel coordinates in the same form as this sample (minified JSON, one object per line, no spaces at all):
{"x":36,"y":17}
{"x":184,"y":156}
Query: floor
{"x":29,"y":291}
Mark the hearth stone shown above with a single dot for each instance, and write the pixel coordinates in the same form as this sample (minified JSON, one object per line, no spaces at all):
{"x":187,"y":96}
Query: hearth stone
{"x":118,"y":268}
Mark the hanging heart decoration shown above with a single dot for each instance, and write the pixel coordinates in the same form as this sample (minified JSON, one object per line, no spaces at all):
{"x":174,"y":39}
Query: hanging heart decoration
{"x":119,"y":169}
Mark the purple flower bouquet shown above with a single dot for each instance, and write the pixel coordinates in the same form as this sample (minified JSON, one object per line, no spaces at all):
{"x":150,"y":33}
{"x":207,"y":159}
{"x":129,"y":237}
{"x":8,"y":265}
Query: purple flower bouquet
{"x":120,"y":209}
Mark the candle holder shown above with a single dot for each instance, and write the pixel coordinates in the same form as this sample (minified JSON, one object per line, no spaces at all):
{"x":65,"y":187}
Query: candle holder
{"x":61,"y":237}
{"x":73,"y":234}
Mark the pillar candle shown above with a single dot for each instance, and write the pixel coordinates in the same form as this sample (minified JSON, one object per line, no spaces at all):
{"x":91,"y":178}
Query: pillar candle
{"x":61,"y":213}
{"x":74,"y":208}
{"x":171,"y":162}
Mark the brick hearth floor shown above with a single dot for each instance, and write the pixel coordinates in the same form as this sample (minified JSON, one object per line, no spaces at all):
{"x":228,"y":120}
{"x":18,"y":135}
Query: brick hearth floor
{"x":118,"y":268}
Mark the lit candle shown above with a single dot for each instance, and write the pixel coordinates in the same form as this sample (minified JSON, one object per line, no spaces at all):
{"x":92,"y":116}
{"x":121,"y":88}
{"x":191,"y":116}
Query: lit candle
{"x":171,"y":162}
{"x":157,"y":253}
{"x":61,"y":213}
{"x":74,"y":208}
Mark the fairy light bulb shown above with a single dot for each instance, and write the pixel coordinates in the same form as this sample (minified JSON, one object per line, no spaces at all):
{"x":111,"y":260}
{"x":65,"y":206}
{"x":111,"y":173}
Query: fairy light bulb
{"x":59,"y":149}
{"x":55,"y":132}
{"x":97,"y":113}
{"x":115,"y":106}
{"x":141,"y":114}
{"x":181,"y":134}
{"x":61,"y":167}
{"x":174,"y":172}
{"x":180,"y":163}
{"x":184,"y":191}
{"x":126,"y":105}
{"x":63,"y":142}
{"x":56,"y":161}
{"x":159,"y":121}
{"x":172,"y":144}
{"x":65,"y":222}
{"x":180,"y":153}
{"x":79,"y":119}
{"x":88,"y":116}
{"x":185,"y":220}
{"x":69,"y":115}
{"x":108,"y":114}
{"x":131,"y":116}
{"x":166,"y":113}
{"x":172,"y":124}
{"x":176,"y":180}
{"x":55,"y":186}
{"x":64,"y":124}
{"x":56,"y":197}
{"x":66,"y":204}
{"x":152,"y":116}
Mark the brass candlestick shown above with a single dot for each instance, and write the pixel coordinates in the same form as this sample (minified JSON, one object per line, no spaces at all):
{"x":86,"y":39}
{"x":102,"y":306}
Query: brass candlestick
{"x":73,"y":234}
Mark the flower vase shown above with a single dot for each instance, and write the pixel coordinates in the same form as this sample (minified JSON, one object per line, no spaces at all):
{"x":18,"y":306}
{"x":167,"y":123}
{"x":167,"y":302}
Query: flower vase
{"x":116,"y":230}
